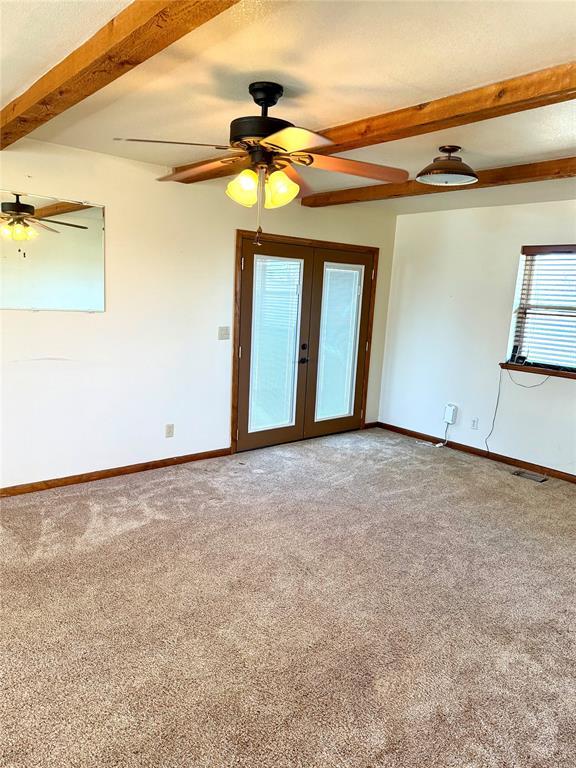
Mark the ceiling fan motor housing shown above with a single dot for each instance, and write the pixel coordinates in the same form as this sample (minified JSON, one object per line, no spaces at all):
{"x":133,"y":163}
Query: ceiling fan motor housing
{"x":255,"y":127}
{"x":16,"y":208}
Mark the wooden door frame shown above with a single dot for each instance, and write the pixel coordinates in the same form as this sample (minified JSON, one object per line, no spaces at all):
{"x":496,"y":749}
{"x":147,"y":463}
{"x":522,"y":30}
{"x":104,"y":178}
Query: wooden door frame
{"x":241,"y":235}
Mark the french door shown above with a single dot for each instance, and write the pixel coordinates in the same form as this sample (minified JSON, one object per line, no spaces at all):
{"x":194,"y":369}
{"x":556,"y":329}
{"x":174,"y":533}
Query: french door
{"x":302,"y":342}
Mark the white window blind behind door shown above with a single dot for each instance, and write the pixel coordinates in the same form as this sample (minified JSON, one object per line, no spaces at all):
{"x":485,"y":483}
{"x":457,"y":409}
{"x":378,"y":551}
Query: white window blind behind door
{"x":338,"y":343}
{"x":276,"y":306}
{"x":545,"y":318}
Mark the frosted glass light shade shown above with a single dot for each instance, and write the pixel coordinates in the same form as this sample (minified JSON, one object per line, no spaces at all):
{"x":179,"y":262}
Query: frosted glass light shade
{"x":19,"y":232}
{"x":244,"y":188}
{"x":279,"y":190}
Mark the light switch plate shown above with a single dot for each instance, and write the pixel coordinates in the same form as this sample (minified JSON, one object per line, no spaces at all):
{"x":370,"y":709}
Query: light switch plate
{"x":223,"y":332}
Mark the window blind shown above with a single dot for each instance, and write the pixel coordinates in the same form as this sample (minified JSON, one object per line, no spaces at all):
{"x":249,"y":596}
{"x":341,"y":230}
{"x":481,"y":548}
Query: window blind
{"x":545,"y":331}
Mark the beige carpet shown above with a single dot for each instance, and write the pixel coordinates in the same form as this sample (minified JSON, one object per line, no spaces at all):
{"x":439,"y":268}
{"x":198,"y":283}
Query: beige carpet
{"x":358,"y":601}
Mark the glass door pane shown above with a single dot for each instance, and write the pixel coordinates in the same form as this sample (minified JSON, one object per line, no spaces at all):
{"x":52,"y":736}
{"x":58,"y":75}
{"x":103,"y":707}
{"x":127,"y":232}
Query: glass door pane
{"x":338,"y":343}
{"x":276,"y":309}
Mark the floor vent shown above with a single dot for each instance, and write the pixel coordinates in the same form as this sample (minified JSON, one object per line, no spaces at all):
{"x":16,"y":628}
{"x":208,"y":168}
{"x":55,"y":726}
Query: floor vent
{"x":534,"y":476}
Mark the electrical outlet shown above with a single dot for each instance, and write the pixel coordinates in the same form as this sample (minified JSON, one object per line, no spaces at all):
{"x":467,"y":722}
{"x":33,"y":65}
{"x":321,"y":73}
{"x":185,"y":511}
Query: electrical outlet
{"x":169,"y":430}
{"x":475,"y":421}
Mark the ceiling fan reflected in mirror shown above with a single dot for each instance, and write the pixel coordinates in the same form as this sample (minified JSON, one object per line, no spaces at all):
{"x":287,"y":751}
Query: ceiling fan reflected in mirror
{"x":18,"y":221}
{"x":265,"y":152}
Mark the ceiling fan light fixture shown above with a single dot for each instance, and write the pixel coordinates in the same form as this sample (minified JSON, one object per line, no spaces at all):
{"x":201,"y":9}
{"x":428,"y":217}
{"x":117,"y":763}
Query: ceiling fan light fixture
{"x":17,"y":230}
{"x":243,"y":189}
{"x":447,"y":171}
{"x":279,"y":190}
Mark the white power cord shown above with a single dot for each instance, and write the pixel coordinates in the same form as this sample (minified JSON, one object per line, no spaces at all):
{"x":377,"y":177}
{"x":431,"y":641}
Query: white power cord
{"x":518,"y":384}
{"x":444,"y":443}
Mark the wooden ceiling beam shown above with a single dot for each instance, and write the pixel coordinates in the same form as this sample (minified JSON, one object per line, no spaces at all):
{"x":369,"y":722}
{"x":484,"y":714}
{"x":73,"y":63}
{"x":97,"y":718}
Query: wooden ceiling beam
{"x":492,"y":177}
{"x":57,"y":209}
{"x":536,"y":89}
{"x":141,"y":30}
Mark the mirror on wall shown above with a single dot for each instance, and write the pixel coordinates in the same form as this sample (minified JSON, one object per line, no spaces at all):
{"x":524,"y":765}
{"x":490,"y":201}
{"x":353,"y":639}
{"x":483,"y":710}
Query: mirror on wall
{"x":51,"y":254}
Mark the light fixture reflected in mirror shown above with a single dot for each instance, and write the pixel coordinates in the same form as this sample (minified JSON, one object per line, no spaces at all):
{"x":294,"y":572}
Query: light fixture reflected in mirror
{"x":14,"y":230}
{"x":447,"y":171}
{"x":51,"y":253}
{"x":17,"y":217}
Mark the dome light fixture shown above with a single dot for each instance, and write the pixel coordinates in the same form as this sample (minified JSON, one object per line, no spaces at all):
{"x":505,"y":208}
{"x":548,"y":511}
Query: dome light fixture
{"x":447,"y":171}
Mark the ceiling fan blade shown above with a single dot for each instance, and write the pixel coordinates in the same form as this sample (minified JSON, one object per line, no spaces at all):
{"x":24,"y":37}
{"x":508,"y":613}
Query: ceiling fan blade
{"x":357,"y":168}
{"x":294,"y":140}
{"x":38,"y":223}
{"x":180,"y":143}
{"x":61,"y":223}
{"x":293,"y":174}
{"x":225,"y":166}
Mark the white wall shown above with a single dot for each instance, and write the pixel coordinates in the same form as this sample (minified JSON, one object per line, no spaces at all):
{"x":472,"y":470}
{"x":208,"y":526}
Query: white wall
{"x":83,"y":392}
{"x":452,"y":291}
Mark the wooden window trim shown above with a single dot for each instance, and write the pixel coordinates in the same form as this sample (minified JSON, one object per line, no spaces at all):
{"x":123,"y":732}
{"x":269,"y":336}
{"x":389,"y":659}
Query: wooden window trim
{"x":539,"y":370}
{"x":534,"y":250}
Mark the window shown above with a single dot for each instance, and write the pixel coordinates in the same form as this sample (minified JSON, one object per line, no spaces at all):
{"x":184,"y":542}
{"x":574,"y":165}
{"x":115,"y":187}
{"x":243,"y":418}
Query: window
{"x":544,"y":325}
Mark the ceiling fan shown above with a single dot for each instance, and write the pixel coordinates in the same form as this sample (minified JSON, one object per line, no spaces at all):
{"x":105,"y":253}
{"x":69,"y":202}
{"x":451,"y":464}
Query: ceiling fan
{"x":265,"y":151}
{"x":16,"y":219}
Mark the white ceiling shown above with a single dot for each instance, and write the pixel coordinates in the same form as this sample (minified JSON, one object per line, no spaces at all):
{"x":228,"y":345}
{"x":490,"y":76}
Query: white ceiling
{"x":338,"y":61}
{"x":37,"y":34}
